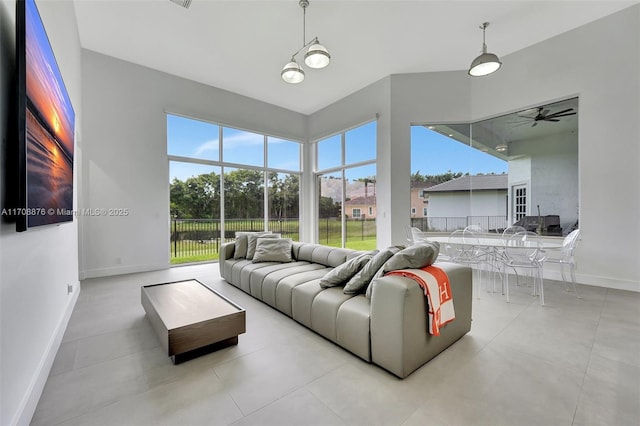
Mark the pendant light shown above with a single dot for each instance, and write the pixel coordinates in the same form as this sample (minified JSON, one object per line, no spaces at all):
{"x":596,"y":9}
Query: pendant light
{"x":486,"y":63}
{"x":317,"y":56}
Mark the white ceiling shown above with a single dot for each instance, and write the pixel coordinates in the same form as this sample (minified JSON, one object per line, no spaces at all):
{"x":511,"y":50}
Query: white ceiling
{"x":512,"y":128}
{"x":241,"y":46}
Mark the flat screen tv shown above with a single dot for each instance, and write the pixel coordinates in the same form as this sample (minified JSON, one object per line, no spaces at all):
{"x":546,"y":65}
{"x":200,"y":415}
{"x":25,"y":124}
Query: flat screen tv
{"x":46,"y":127}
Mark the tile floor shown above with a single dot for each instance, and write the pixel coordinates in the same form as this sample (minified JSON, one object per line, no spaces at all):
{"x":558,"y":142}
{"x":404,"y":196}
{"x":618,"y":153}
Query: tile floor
{"x":572,"y":362}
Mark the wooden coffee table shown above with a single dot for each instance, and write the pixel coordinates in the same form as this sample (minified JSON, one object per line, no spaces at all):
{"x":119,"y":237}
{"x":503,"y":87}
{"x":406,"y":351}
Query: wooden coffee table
{"x":191,"y":319}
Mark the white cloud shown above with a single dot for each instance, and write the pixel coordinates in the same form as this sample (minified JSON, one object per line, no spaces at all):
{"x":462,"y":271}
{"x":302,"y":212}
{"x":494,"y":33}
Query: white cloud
{"x":208,"y":146}
{"x":242,"y":140}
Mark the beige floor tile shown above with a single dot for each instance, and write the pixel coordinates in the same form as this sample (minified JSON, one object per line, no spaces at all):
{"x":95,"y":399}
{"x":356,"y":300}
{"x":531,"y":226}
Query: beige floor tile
{"x":77,"y":392}
{"x":194,"y":399}
{"x":299,"y":408}
{"x":262,"y":377}
{"x":361,"y":396}
{"x":610,"y":394}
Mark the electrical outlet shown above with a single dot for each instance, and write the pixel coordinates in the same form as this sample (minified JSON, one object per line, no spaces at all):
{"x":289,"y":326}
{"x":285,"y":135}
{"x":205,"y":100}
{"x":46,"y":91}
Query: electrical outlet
{"x":69,"y":288}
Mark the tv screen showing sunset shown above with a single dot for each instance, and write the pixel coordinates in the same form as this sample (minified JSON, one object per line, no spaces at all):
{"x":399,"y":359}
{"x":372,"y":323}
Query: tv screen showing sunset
{"x":49,"y":130}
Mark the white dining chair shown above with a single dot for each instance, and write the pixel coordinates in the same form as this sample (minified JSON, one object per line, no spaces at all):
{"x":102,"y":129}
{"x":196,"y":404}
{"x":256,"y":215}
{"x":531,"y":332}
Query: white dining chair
{"x":523,"y":250}
{"x":565,"y":257}
{"x":463,"y":246}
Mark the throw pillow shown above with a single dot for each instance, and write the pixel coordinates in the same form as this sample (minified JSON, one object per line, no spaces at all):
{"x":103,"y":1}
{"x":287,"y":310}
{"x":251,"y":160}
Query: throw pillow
{"x":341,"y":273}
{"x":361,"y":280}
{"x":376,"y":269}
{"x":252,"y":239}
{"x":240,"y":250}
{"x":272,"y":250}
{"x":414,"y":257}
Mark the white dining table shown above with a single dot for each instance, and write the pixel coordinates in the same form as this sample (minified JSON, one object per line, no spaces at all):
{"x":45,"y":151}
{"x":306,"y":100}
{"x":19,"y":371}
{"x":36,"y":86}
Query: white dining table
{"x":488,"y":250}
{"x":494,"y":241}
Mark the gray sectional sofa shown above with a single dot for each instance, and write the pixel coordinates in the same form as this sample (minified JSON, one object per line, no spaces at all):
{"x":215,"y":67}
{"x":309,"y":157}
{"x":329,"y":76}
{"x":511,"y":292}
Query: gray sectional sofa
{"x":389,"y":329}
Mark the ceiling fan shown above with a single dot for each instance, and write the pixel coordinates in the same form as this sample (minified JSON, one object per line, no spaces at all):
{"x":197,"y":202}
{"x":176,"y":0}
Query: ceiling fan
{"x":542,"y":114}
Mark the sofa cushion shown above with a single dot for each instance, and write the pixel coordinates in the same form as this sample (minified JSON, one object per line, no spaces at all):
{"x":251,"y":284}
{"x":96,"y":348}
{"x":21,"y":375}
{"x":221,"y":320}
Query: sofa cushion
{"x":260,"y":275}
{"x":352,"y":326}
{"x":272,"y":250}
{"x":301,"y":300}
{"x":252,"y":240}
{"x":286,"y":287}
{"x":275,"y":279}
{"x":340,"y":255}
{"x":324,"y":312}
{"x":342,"y":273}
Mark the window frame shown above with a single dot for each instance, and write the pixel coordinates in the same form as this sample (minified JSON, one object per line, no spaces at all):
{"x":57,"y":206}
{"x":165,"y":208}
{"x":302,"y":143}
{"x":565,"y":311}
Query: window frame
{"x":341,"y":169}
{"x":224,"y":165}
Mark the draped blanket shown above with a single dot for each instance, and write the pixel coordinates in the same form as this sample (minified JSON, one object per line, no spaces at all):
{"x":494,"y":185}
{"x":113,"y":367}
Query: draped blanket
{"x":435,"y":283}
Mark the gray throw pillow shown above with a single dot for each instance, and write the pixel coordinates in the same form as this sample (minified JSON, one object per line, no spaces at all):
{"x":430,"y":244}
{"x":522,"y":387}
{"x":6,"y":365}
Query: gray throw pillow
{"x":240,"y":250}
{"x":373,"y":269}
{"x":341,"y":273}
{"x":414,"y":257}
{"x":252,"y":239}
{"x":272,"y":250}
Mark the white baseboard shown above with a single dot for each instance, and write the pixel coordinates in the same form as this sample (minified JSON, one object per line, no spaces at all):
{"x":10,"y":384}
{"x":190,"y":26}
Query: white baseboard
{"x":596,"y":281}
{"x":121,"y":270}
{"x":27,"y":407}
{"x":608,"y":282}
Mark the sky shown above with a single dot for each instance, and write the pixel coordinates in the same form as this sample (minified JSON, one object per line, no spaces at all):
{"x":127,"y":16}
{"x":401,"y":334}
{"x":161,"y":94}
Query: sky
{"x":431,"y":153}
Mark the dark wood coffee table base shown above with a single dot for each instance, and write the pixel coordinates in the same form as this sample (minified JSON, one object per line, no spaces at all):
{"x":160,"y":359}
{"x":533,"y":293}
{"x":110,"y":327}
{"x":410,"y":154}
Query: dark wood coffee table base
{"x":189,"y":355}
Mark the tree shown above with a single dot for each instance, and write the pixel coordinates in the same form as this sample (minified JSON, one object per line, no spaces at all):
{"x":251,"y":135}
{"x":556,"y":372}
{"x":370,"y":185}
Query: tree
{"x":284,"y":196}
{"x":328,"y":208}
{"x":430,"y":180}
{"x":243,"y":194}
{"x":196,"y":198}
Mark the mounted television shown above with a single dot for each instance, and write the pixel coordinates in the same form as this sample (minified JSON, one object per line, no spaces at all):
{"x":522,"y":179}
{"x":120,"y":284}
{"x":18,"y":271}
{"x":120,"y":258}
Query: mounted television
{"x":46,"y":121}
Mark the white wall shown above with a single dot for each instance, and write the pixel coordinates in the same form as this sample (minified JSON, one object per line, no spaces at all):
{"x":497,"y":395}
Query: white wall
{"x":125,"y":157}
{"x":551,"y":170}
{"x":599,"y":62}
{"x":580,"y":63}
{"x":37,"y":265}
{"x":554,"y":178}
{"x":463,"y":204}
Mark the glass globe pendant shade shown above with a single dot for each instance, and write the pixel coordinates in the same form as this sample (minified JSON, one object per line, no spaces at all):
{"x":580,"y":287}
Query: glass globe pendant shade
{"x":484,"y":64}
{"x":292,"y":73}
{"x":317,"y":56}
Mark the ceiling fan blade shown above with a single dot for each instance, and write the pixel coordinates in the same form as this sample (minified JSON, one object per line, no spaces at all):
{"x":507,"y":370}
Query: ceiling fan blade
{"x":555,"y":114}
{"x":535,"y":123}
{"x":562,"y":115}
{"x":551,"y":119}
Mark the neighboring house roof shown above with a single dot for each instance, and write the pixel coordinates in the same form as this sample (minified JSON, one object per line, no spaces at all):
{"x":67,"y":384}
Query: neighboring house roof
{"x":361,"y":201}
{"x":475,"y":183}
{"x":420,"y":184}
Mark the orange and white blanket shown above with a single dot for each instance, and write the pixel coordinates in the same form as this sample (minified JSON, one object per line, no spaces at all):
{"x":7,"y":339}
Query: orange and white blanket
{"x":435,"y":283}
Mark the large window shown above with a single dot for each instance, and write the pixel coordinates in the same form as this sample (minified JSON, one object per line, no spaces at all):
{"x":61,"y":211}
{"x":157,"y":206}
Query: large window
{"x":346,"y":176}
{"x":223,"y":180}
{"x":454,"y":182}
{"x":519,"y":168}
